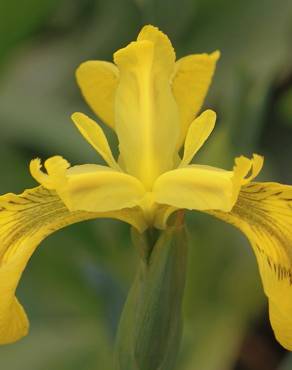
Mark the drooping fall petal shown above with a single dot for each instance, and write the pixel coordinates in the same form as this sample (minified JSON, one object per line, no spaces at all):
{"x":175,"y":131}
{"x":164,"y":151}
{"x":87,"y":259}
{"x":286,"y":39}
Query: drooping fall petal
{"x":147,"y":120}
{"x":98,"y":81}
{"x":25,"y":220}
{"x":190,"y":86}
{"x":263,"y":212}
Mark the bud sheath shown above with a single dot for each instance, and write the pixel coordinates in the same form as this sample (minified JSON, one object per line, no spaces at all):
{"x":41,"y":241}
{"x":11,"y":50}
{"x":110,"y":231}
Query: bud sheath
{"x":151,"y":323}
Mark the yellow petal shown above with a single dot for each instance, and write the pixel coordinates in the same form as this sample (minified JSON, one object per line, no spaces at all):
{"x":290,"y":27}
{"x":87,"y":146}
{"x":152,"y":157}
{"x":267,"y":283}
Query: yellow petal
{"x":25,"y":220}
{"x":190,"y":85}
{"x":195,"y":187}
{"x":56,"y":172}
{"x":244,"y":167}
{"x":263,"y":212}
{"x":204,"y":187}
{"x":91,"y":188}
{"x":198,"y":133}
{"x":94,"y":134}
{"x":98,"y":81}
{"x":163,"y":46}
{"x":146,"y":112}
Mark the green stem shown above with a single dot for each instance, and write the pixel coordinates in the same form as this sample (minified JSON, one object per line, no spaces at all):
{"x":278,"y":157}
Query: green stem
{"x":150,"y":328}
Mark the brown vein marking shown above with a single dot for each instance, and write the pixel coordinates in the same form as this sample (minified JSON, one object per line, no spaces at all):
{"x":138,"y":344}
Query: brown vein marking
{"x":274,"y":223}
{"x":49,"y":214}
{"x":21,"y":225}
{"x":281,"y":272}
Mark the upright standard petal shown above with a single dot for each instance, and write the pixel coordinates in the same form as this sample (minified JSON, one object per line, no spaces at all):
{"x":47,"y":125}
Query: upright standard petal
{"x":190,"y":85}
{"x":204,"y":187}
{"x":25,"y":220}
{"x":89,"y":187}
{"x":263,"y":212}
{"x":146,"y":112}
{"x":98,"y":81}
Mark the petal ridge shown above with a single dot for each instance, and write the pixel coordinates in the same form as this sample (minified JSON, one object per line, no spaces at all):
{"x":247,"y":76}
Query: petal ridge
{"x":145,"y":109}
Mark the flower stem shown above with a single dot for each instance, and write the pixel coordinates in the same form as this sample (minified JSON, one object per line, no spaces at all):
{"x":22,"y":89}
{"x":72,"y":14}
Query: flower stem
{"x":150,"y":328}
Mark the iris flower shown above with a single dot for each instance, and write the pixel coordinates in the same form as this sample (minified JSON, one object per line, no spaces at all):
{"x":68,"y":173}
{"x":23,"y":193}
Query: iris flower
{"x":152,"y":102}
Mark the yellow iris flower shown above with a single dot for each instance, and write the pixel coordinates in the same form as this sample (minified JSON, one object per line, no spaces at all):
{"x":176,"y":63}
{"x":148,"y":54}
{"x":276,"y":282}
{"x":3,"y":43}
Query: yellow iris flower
{"x":152,"y":102}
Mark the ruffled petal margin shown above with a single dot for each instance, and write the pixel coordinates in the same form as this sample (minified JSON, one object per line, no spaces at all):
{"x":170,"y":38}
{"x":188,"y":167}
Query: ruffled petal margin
{"x":145,"y":109}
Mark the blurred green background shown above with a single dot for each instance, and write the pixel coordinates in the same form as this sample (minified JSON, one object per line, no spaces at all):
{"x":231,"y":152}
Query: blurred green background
{"x":76,"y":282}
